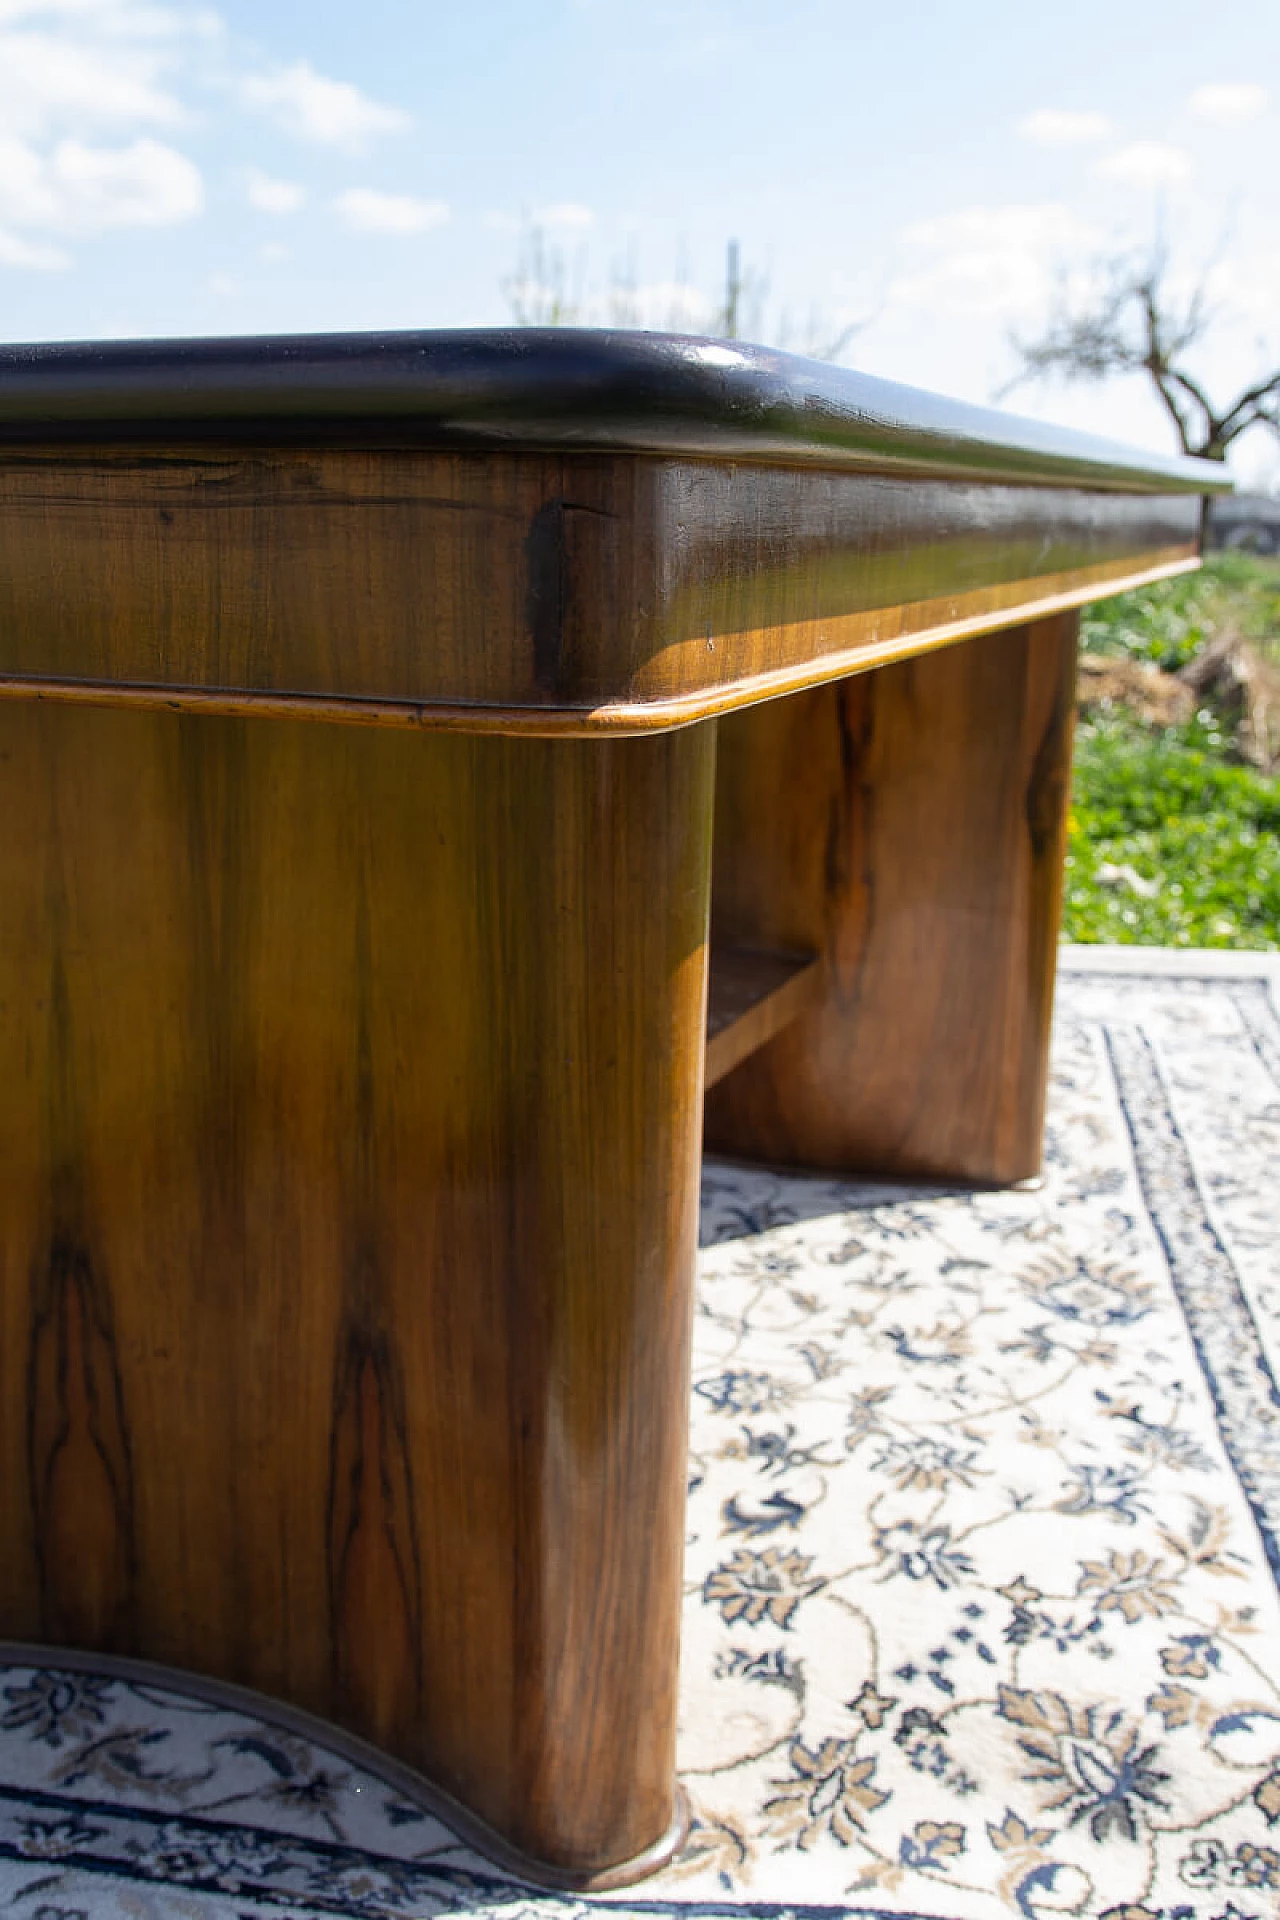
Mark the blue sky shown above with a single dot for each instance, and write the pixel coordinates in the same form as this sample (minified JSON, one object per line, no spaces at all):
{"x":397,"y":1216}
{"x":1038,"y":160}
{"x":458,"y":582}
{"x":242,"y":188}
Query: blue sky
{"x":924,"y":169}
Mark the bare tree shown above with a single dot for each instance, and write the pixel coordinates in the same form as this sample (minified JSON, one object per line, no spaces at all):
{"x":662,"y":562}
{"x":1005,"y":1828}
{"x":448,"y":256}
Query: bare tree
{"x":539,"y":292}
{"x":1130,"y":321}
{"x":545,"y":291}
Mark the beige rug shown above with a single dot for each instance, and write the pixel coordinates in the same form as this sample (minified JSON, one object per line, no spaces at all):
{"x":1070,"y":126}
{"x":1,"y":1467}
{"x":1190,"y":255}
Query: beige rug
{"x":983,"y":1574}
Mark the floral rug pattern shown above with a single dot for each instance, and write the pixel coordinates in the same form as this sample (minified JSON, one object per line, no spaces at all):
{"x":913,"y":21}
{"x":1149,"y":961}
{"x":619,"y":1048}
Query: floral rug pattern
{"x":983,"y":1565}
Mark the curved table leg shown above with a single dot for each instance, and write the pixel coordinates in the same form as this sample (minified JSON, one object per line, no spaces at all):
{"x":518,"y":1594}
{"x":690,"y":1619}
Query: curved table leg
{"x":350,"y":1104}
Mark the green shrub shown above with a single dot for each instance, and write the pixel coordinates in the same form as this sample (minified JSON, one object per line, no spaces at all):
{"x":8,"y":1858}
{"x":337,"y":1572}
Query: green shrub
{"x":1171,"y":621}
{"x":1167,"y":806}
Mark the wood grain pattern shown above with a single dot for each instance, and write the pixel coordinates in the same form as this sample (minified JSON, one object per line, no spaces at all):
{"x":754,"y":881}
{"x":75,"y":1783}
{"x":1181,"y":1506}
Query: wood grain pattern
{"x":350,"y":1093}
{"x":520,"y":592}
{"x":909,"y":824}
{"x":751,"y":995}
{"x":351,"y":1079}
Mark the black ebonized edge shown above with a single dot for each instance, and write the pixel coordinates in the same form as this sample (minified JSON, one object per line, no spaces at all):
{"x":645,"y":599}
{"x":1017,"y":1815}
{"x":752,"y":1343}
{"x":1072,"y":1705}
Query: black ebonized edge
{"x":544,"y":388}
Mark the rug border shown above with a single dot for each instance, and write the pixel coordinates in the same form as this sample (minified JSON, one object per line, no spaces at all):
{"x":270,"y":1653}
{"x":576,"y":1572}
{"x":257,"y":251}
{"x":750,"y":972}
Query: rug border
{"x":1161,"y":963}
{"x":1218,"y":965}
{"x":227,"y":1694}
{"x":436,"y":1802}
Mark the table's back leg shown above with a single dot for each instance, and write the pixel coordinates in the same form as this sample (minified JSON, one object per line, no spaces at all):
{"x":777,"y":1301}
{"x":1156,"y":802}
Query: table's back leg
{"x":350,"y":1107}
{"x":909,"y":825}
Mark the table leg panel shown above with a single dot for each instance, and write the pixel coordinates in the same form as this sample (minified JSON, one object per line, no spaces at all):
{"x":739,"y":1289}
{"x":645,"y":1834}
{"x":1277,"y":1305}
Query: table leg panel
{"x":909,"y":824}
{"x":350,"y":1096}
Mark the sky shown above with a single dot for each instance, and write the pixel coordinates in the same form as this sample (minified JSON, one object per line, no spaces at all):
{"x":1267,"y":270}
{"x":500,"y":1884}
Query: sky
{"x":917,"y":178}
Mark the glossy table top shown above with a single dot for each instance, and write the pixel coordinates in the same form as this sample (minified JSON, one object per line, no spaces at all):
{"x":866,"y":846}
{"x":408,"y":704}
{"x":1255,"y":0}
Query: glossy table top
{"x":542,"y":388}
{"x":529,"y":531}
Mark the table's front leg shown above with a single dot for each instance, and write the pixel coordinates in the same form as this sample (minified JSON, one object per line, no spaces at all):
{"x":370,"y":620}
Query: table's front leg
{"x":909,"y":826}
{"x":349,"y":1135}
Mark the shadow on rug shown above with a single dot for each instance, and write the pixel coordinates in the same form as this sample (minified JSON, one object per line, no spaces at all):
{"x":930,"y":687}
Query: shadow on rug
{"x":983,"y":1562}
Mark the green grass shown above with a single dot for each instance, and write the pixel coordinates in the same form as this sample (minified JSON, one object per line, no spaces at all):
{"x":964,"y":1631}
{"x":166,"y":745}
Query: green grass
{"x":1171,"y":621}
{"x":1171,"y":804}
{"x":1166,"y":804}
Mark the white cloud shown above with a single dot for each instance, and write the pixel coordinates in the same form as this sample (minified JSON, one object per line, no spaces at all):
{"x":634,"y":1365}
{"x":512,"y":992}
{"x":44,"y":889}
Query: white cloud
{"x":1247,"y":287}
{"x":1147,"y":163}
{"x":122,"y":19}
{"x":332,"y":112}
{"x":374,"y":212}
{"x":82,"y":68}
{"x":268,"y":195}
{"x":990,"y":260}
{"x":1063,"y":127}
{"x":78,"y":189}
{"x":1239,"y":100}
{"x":670,"y":305}
{"x":565,"y":215}
{"x":77,"y":79}
{"x":17,"y":252}
{"x":1041,"y":224}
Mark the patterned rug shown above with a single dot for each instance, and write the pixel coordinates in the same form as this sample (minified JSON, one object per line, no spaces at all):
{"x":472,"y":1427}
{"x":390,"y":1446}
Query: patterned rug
{"x":983,"y":1579}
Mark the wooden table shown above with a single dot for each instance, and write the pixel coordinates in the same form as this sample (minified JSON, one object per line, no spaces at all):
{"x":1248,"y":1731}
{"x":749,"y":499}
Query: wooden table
{"x":388,"y":718}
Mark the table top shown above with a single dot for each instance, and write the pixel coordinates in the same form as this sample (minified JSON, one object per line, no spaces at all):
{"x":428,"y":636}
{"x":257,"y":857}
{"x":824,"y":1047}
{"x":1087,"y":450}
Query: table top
{"x":529,"y":530}
{"x":549,"y":387}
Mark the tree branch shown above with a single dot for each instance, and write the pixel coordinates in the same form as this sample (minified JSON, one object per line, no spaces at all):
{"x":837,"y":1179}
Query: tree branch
{"x":1252,"y":401}
{"x":1129,"y":324}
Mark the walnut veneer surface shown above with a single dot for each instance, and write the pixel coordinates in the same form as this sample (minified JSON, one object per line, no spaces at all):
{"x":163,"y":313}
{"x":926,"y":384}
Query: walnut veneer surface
{"x":351,"y":1075}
